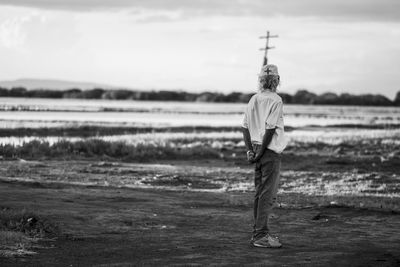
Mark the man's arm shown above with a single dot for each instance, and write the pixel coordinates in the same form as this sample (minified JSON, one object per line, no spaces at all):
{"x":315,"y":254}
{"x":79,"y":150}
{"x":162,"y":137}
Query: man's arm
{"x":265,"y":142}
{"x":247,"y":139}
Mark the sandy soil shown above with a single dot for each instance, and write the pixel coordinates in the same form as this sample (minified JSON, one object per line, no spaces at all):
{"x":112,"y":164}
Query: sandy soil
{"x":118,"y":226}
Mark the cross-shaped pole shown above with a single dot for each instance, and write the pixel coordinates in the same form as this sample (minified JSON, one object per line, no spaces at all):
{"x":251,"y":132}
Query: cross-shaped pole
{"x":267,"y":47}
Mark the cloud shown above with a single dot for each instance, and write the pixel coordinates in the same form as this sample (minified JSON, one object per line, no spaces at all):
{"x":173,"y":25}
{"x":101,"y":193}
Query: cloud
{"x":12,"y":32}
{"x":370,"y":10}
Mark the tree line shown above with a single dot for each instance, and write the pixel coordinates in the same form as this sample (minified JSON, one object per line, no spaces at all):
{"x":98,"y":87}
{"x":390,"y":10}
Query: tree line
{"x":300,"y":97}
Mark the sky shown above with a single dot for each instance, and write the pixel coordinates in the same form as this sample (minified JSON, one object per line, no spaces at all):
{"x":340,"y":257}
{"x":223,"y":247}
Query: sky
{"x":204,"y":45}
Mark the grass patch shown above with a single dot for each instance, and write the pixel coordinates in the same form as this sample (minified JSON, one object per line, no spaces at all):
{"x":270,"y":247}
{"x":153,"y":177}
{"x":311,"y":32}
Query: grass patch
{"x":20,"y":229}
{"x":26,"y":222}
{"x":10,"y":239}
{"x":100,"y":148}
{"x":15,"y":244}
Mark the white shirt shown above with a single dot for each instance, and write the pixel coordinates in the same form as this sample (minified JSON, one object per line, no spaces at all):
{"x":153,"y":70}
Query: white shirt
{"x":265,"y":111}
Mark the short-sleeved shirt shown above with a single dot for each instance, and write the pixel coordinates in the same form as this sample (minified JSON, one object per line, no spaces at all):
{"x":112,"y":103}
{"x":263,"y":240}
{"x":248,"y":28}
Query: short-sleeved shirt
{"x":265,"y":111}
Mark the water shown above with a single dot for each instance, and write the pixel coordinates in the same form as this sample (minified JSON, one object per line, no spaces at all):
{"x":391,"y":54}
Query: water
{"x":36,"y":113}
{"x":39,"y":113}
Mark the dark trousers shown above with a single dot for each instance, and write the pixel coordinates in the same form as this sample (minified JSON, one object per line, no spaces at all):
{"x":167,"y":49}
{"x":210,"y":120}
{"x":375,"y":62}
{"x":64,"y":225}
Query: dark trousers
{"x":266,"y":182}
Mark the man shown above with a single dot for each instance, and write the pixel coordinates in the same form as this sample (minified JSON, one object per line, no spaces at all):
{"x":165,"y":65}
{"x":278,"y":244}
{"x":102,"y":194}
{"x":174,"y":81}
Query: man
{"x":263,"y":134}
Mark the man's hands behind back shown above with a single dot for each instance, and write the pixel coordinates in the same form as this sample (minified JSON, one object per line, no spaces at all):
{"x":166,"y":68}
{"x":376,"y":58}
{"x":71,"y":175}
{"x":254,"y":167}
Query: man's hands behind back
{"x":251,"y":156}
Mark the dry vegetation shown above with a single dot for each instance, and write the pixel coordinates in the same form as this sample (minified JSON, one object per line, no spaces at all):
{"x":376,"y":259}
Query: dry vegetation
{"x":99,"y":148}
{"x":20,"y":231}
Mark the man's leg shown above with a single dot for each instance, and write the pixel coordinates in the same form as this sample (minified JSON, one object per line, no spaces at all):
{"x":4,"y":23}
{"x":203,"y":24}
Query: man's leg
{"x":266,"y":193}
{"x":257,"y":184}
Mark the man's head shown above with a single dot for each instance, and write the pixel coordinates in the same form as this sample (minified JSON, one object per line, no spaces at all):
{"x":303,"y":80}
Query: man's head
{"x":269,"y":77}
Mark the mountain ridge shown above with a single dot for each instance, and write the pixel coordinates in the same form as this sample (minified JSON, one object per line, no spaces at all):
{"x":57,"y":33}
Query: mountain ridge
{"x":55,"y":84}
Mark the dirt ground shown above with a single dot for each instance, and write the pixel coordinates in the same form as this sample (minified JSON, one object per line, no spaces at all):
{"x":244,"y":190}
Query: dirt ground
{"x":119,"y":226}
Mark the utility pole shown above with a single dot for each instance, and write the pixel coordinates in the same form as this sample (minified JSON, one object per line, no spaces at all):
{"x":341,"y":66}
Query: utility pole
{"x":267,"y":47}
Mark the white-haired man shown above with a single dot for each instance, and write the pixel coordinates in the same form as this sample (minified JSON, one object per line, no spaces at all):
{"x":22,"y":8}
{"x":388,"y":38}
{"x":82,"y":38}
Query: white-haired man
{"x":263,"y":133}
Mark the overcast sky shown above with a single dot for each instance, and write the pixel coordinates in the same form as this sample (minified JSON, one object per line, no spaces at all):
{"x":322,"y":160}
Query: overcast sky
{"x":337,"y":46}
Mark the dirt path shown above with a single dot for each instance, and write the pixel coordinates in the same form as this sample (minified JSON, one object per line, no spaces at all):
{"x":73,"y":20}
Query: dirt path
{"x":105,"y":226}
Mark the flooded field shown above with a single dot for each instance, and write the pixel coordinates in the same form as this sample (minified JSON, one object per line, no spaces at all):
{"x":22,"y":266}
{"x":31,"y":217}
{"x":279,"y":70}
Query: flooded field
{"x":20,"y":112}
{"x":353,"y":138}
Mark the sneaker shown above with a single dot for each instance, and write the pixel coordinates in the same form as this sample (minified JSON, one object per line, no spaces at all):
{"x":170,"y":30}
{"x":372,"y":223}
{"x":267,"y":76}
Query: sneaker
{"x":254,"y":239}
{"x":267,"y":242}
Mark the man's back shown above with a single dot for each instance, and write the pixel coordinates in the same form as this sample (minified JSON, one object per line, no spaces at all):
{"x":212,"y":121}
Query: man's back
{"x":265,"y":111}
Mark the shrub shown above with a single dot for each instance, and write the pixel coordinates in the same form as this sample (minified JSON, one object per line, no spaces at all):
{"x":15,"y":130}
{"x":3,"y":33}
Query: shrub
{"x":98,"y":148}
{"x":304,"y":97}
{"x":17,"y":92}
{"x":27,"y":222}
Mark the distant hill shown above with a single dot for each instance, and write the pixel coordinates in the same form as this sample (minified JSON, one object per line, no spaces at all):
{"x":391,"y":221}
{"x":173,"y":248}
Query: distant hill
{"x":52,"y":84}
